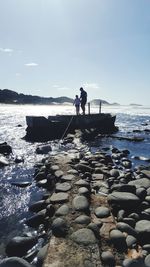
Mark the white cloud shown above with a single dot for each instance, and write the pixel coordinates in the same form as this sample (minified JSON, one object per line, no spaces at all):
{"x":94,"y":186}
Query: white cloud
{"x":31,"y":64}
{"x":63,"y":88}
{"x":6,"y":50}
{"x":91,"y":86}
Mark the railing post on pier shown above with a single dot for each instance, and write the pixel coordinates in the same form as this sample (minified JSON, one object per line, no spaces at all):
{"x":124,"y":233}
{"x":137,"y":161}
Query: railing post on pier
{"x":100,"y":106}
{"x":89,"y":108}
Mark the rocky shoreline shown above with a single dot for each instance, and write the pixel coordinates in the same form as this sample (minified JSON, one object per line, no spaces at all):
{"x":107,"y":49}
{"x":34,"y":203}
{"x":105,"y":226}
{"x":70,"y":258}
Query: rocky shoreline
{"x":95,"y":211}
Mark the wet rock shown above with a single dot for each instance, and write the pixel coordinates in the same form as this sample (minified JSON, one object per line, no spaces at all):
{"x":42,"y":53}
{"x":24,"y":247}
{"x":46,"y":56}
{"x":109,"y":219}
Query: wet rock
{"x":14,"y":262}
{"x":21,"y":184}
{"x":124,"y":188}
{"x":133,"y":263}
{"x":58,"y":174}
{"x":102,"y":212}
{"x":37,"y":219}
{"x":83,"y":168}
{"x":19,"y":159}
{"x":44,"y":149}
{"x":80,"y":203}
{"x":5,"y":149}
{"x":41,"y":255}
{"x":59,"y":198}
{"x":83,"y":191}
{"x":59,"y":227}
{"x":84,"y":236}
{"x":118,"y":240}
{"x":50,"y":210}
{"x":146,"y":173}
{"x":108,"y":259}
{"x":141,"y":193}
{"x":40,"y":176}
{"x":18,"y":246}
{"x":83,"y":219}
{"x":62,"y":211}
{"x":124,"y":200}
{"x":62,"y":187}
{"x":82,"y":183}
{"x":3,"y":162}
{"x":54,"y":168}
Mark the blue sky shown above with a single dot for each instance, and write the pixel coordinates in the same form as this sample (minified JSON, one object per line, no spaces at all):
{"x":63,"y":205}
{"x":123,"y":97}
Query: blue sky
{"x":53,"y":47}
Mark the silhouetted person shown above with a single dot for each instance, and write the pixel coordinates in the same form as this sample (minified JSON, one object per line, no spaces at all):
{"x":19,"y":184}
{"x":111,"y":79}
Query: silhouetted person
{"x":83,"y":99}
{"x":77,"y":104}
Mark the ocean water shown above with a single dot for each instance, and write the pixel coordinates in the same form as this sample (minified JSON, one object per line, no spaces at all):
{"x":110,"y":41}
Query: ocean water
{"x":14,"y":201}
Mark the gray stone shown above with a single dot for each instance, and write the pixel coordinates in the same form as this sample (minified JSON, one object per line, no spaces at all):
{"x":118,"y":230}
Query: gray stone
{"x":80,"y":203}
{"x":118,"y":240}
{"x":54,"y":168}
{"x":82,"y":183}
{"x":123,"y":199}
{"x":98,"y":176}
{"x":59,"y":227}
{"x":143,"y":229}
{"x":83,"y":168}
{"x":115,"y":173}
{"x":142,"y":182}
{"x":72,"y":171}
{"x":41,"y":255}
{"x":133,"y":263}
{"x":58,"y":174}
{"x":130,"y":240}
{"x":84,"y":236}
{"x":124,"y":227}
{"x":62,"y":187}
{"x":83,"y":191}
{"x":83,"y":219}
{"x":62,"y":211}
{"x":15,"y":262}
{"x":147,"y":261}
{"x":59,"y":198}
{"x":108,"y":258}
{"x":146,"y":173}
{"x":102,"y":212}
{"x":68,"y":177}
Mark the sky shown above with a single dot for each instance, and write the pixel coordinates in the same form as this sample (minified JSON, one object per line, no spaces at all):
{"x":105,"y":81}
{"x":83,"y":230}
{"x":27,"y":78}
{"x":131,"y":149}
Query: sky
{"x":52,"y":48}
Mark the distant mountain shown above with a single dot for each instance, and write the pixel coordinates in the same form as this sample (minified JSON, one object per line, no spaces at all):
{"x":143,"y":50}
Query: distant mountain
{"x":103,"y":102}
{"x":11,"y":97}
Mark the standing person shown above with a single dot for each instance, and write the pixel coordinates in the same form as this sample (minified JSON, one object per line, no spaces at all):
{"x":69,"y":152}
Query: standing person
{"x":77,"y":104}
{"x":83,"y":99}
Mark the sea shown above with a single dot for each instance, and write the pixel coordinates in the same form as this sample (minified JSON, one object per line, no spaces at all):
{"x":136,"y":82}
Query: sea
{"x":14,"y":201}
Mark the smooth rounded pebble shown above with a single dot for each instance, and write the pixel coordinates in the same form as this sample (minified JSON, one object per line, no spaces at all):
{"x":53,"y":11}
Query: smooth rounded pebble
{"x":80,"y":203}
{"x":108,"y":258}
{"x":84,"y":236}
{"x":14,"y":262}
{"x":102,"y":212}
{"x":59,"y":198}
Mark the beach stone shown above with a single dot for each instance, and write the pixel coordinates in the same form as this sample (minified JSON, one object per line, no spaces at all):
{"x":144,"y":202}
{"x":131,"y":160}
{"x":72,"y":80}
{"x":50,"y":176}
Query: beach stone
{"x":142,"y":228}
{"x":62,"y":211}
{"x":83,"y":168}
{"x":141,"y":193}
{"x":54,"y":168}
{"x":108,"y":258}
{"x":133,"y":263}
{"x":123,"y":199}
{"x":40,"y":176}
{"x":5,"y":148}
{"x":50,"y":210}
{"x":95,"y":228}
{"x":59,"y":227}
{"x":37,"y":219}
{"x":80,"y":203}
{"x":42,"y":183}
{"x":62,"y":187}
{"x":83,"y":219}
{"x":124,"y":227}
{"x":58,"y":174}
{"x":127,"y":164}
{"x":59,"y":198}
{"x":146,"y":173}
{"x":68,"y":177}
{"x":3,"y":162}
{"x":118,"y":240}
{"x":102,"y":212}
{"x":43,"y":149}
{"x":37,"y":206}
{"x":72,"y":171}
{"x":147,"y":198}
{"x":115,"y":173}
{"x":82,"y":183}
{"x":142,"y":182}
{"x":21,"y":184}
{"x":18,"y":246}
{"x":98,"y":176}
{"x":83,"y":191}
{"x":130,"y":240}
{"x":147,"y":247}
{"x":84,"y":236}
{"x":124,"y":188}
{"x":14,"y":262}
{"x":147,"y":261}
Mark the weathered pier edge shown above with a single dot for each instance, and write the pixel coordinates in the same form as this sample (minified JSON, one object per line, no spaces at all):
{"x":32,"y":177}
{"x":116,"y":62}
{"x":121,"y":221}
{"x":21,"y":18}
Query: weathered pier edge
{"x":40,"y":128}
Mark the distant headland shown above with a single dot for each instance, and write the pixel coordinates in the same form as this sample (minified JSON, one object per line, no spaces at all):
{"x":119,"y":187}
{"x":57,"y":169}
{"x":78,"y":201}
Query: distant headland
{"x":11,"y":97}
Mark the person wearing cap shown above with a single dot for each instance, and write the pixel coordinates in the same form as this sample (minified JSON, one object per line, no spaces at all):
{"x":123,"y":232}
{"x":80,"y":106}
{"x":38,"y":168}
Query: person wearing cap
{"x":83,"y":99}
